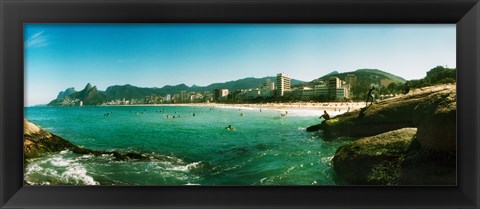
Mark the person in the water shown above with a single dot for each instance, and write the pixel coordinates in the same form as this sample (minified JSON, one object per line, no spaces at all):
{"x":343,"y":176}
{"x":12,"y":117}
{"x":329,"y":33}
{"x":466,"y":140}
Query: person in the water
{"x":230,"y":128}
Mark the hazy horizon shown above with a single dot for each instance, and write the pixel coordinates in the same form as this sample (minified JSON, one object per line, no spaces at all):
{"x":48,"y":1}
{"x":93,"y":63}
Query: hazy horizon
{"x":59,"y":56}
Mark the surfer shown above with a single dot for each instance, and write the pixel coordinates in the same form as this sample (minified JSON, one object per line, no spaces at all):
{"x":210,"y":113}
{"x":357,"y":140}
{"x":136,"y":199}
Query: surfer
{"x":230,"y":128}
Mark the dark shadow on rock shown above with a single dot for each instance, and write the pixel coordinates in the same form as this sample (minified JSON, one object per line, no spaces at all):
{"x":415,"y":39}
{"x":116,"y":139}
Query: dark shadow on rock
{"x":427,"y":167}
{"x":361,"y":114}
{"x":314,"y":128}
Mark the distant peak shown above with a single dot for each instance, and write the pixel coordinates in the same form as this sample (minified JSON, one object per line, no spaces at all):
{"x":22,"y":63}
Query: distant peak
{"x":65,"y":93}
{"x":333,"y":72}
{"x":368,"y":70}
{"x":88,"y":86}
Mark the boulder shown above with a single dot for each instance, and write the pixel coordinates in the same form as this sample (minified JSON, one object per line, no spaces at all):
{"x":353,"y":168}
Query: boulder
{"x":374,"y":160}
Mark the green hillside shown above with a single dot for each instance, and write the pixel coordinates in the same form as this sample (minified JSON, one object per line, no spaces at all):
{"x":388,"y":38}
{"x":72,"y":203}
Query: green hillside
{"x":370,"y":75}
{"x":364,"y":79}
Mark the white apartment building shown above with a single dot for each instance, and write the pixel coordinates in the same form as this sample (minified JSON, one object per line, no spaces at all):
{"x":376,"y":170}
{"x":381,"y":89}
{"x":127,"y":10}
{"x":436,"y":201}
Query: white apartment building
{"x":283,"y":84}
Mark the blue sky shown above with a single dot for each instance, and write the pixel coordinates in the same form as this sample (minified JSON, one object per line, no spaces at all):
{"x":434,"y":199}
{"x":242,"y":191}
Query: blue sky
{"x":58,"y":56}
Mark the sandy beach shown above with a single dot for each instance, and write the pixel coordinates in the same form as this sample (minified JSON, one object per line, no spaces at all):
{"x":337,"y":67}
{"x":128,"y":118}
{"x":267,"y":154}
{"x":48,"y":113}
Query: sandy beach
{"x":333,"y":108}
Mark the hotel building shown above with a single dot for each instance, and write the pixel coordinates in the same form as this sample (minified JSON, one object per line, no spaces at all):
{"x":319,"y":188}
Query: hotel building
{"x":283,"y":84}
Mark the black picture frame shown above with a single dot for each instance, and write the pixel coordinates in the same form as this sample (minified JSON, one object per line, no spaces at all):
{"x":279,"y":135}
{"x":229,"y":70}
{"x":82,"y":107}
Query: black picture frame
{"x":14,"y":13}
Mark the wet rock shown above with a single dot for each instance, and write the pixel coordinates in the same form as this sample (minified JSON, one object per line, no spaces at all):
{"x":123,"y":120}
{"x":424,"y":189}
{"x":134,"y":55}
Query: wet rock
{"x":38,"y":141}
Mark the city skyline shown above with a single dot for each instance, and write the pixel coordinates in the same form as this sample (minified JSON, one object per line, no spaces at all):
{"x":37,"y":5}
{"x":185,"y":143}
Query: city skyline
{"x":58,"y":56}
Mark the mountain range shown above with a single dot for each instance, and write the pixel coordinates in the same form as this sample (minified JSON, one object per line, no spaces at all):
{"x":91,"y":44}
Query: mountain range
{"x":90,"y":95}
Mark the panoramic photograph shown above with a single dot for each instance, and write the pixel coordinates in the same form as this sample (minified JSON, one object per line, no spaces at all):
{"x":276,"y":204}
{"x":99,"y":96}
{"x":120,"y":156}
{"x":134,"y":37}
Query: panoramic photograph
{"x":240,"y":104}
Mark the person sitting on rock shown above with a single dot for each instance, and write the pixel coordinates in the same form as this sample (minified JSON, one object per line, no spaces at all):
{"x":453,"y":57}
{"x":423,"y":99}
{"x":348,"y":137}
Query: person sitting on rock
{"x":325,"y":115}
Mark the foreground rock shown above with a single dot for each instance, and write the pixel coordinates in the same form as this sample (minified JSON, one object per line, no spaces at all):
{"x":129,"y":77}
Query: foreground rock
{"x":407,"y":140}
{"x":374,"y":160}
{"x":38,"y":141}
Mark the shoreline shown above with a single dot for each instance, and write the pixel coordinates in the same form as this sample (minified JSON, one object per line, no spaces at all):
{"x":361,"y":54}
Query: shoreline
{"x":328,"y":106}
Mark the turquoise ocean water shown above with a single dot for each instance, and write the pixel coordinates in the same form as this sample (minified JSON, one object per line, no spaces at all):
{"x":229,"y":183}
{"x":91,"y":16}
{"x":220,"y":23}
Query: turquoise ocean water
{"x":265,"y":149}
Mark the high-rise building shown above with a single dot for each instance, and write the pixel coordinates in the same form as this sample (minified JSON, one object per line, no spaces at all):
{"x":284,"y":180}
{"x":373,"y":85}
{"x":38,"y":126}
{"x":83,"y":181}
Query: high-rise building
{"x":283,"y":84}
{"x":351,"y":79}
{"x":219,"y":93}
{"x":183,"y":96}
{"x":334,"y":83}
{"x":224,"y":93}
{"x":338,"y":89}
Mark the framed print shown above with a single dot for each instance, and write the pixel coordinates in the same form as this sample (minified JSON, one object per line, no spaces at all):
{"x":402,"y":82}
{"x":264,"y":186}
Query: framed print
{"x":239,"y":104}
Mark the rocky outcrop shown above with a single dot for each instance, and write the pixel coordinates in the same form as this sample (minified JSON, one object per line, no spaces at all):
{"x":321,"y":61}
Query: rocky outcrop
{"x":66,"y":93}
{"x":431,"y":109}
{"x":37,"y":142}
{"x":389,"y":150}
{"x":374,"y":160}
{"x":88,"y":96}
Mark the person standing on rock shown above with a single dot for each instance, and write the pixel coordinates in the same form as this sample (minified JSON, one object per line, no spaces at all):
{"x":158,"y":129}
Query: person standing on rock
{"x":370,"y":96}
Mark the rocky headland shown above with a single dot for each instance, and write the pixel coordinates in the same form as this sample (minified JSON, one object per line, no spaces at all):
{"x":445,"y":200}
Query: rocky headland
{"x":405,"y":140}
